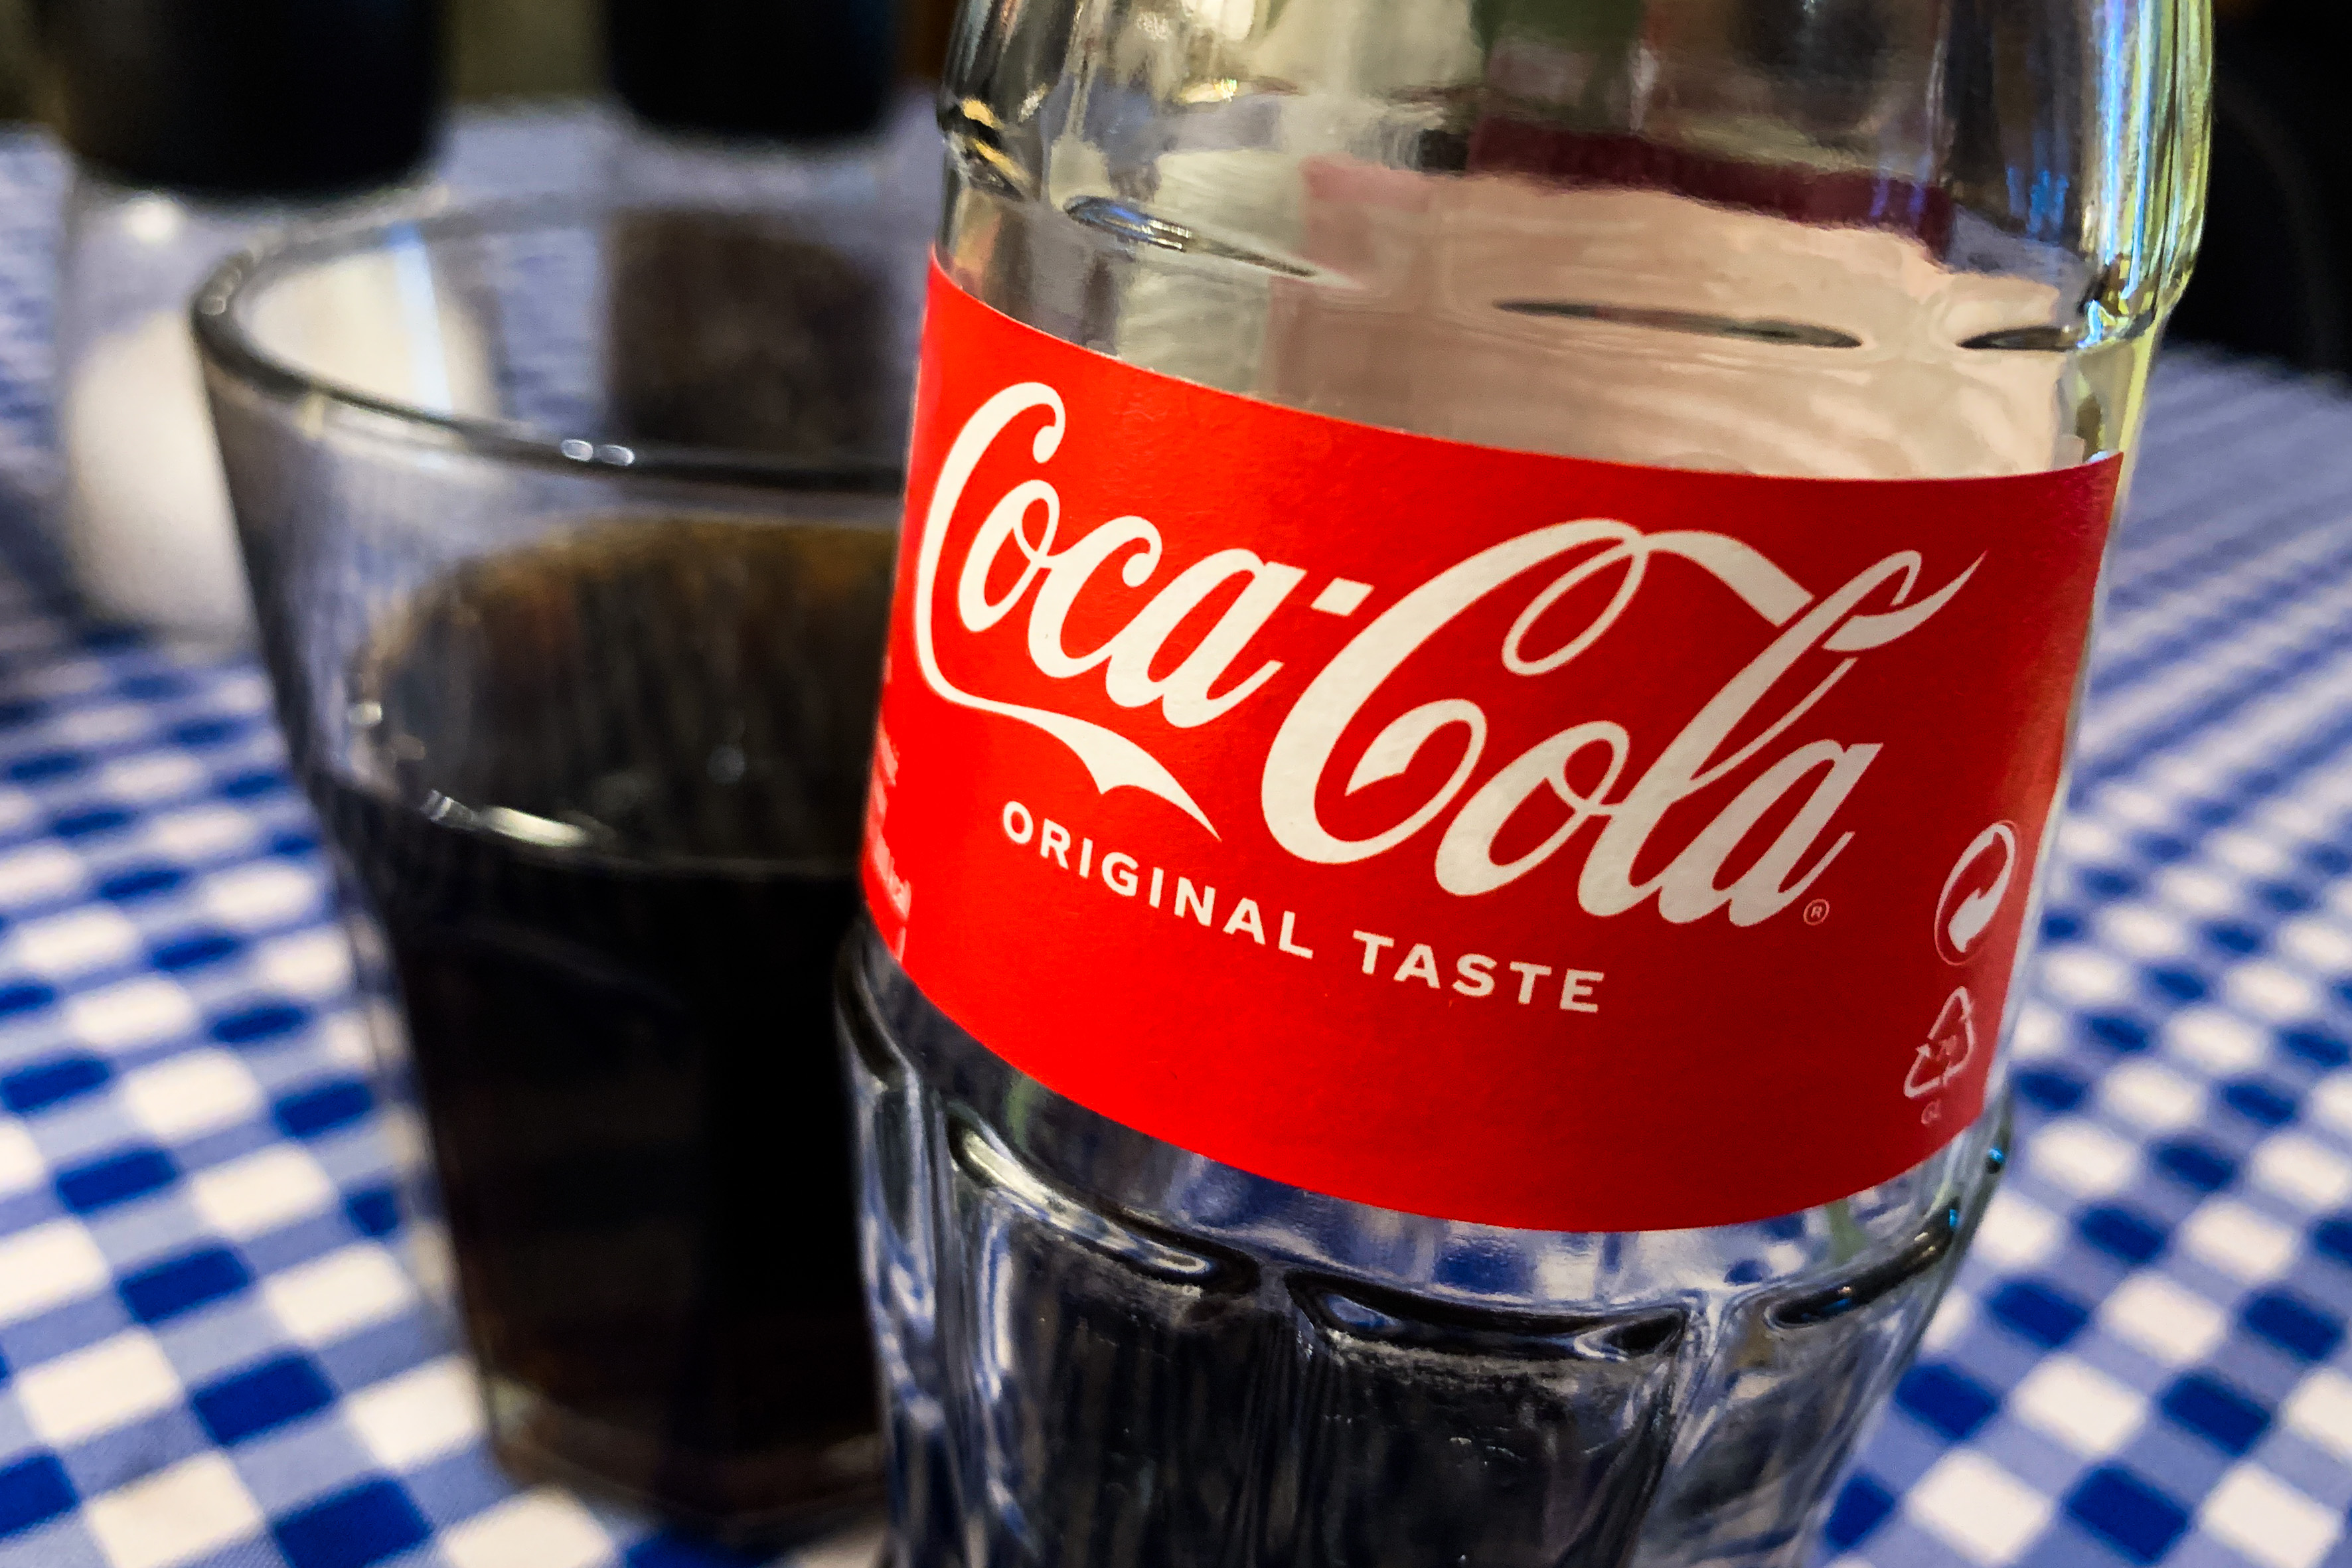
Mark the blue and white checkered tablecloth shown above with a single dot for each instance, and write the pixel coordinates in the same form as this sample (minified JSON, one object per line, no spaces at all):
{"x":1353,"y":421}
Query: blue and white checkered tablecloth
{"x":209,"y":1353}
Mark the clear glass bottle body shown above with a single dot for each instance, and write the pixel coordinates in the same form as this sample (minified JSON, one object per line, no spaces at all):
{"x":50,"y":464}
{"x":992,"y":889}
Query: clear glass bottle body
{"x":1862,"y":239}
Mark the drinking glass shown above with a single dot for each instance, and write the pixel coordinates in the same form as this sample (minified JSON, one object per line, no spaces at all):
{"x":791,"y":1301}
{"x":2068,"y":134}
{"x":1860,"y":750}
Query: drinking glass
{"x":569,"y":529}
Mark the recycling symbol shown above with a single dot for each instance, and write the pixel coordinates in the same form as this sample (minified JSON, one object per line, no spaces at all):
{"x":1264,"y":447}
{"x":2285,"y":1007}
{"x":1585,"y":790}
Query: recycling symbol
{"x":1950,"y":1044}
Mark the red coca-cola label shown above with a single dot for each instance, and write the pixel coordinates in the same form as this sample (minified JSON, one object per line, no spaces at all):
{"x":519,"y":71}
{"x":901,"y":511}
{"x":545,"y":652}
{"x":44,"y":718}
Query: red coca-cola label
{"x":1507,"y":837}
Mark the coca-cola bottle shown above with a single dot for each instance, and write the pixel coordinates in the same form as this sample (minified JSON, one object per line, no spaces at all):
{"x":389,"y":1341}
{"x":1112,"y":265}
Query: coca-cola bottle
{"x":1491,"y":605}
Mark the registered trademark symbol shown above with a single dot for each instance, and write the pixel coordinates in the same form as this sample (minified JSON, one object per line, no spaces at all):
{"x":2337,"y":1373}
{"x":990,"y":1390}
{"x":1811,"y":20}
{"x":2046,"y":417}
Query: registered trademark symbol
{"x":1817,"y":912}
{"x":1931,"y":1113}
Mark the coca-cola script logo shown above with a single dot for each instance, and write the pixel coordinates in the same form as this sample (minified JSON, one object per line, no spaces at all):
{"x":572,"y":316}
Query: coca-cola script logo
{"x":1022,"y":558}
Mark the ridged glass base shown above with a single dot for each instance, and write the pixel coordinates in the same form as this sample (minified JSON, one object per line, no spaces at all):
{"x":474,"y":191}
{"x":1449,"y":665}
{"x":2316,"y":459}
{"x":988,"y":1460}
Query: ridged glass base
{"x":1101,"y":1352}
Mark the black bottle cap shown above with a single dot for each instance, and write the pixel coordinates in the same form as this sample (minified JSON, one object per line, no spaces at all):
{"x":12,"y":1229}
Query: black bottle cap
{"x":781,"y":69}
{"x":246,"y":98}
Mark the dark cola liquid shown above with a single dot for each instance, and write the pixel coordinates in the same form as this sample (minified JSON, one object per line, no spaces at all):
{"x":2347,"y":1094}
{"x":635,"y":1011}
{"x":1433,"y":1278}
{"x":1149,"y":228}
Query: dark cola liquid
{"x":609,"y":827}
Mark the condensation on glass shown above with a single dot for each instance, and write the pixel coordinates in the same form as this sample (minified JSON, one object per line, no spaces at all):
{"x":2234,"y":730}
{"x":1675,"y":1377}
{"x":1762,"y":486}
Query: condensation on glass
{"x":1873,"y":239}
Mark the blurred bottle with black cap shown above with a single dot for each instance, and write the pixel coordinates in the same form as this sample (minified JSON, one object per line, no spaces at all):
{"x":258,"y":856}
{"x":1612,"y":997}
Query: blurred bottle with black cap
{"x":2275,"y":268}
{"x":808,"y":73}
{"x":196,"y":127}
{"x":778,"y":171}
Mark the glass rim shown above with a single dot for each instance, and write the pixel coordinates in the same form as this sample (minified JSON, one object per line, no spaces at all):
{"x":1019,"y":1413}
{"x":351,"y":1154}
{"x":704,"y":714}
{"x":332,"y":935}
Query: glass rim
{"x":225,"y":345}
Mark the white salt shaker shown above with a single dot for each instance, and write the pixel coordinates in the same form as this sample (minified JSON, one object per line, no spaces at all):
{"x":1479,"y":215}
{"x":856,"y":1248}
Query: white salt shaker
{"x":198,"y":127}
